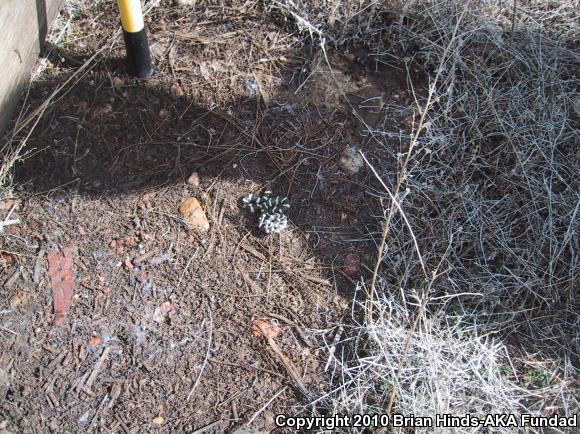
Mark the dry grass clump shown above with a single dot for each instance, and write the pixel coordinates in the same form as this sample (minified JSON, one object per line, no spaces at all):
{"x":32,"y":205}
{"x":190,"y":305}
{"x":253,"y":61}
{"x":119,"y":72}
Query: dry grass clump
{"x":476,"y":308}
{"x":445,"y":371}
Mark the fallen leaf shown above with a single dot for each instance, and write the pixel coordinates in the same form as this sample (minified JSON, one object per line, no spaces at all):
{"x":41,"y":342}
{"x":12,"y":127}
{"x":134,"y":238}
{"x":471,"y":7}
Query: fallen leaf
{"x":128,"y":264}
{"x":263,"y":328}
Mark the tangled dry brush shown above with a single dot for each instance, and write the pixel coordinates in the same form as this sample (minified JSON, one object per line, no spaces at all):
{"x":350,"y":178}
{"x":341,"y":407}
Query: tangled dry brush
{"x":488,"y":195}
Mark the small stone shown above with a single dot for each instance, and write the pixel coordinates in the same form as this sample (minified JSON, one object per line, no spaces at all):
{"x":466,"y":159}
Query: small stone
{"x":94,"y":341}
{"x":193,"y":179}
{"x":158,"y":421}
{"x":6,"y":259}
{"x":14,"y":230}
{"x":351,"y":160}
{"x":193,"y":214}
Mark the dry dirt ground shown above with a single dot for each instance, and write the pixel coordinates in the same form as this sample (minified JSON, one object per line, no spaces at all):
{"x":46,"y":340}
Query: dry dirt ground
{"x":159,"y":332}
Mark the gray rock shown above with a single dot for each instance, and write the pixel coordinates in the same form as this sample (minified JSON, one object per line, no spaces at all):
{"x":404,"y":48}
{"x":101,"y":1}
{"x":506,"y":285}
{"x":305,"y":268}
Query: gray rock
{"x":351,"y":160}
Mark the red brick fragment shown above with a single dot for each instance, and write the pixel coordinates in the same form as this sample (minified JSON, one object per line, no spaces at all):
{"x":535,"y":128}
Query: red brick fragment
{"x":60,"y":272}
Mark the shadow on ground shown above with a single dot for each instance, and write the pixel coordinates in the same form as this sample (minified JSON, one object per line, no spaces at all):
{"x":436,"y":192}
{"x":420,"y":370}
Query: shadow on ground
{"x":104,"y":173}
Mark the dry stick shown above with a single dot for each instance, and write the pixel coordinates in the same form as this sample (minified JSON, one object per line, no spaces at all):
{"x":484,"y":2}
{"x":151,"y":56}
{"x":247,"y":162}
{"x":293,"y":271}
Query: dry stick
{"x":206,"y":354}
{"x":296,"y":328}
{"x":144,"y":257}
{"x":94,"y":419}
{"x":10,"y":282}
{"x":97,"y":368}
{"x":289,"y":367}
{"x":8,"y":330}
{"x":333,"y":346}
{"x":401,"y":179}
{"x":400,"y":209}
{"x":426,"y":295}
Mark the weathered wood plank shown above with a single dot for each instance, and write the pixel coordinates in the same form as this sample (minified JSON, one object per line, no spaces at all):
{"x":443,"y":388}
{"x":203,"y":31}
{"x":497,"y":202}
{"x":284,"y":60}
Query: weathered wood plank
{"x":23,"y":27}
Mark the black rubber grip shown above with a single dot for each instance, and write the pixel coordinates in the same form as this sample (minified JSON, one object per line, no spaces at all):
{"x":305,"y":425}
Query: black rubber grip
{"x":138,"y":55}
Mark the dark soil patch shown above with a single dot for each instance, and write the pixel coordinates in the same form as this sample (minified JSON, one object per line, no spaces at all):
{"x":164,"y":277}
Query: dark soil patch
{"x":104,"y":174}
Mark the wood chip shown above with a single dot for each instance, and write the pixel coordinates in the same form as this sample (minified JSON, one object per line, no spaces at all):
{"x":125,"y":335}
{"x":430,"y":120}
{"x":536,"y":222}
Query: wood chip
{"x":315,"y":279}
{"x":38,"y":267}
{"x":144,"y":257}
{"x":115,"y":393}
{"x":253,"y":251}
{"x":97,"y":368}
{"x":12,"y":280}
